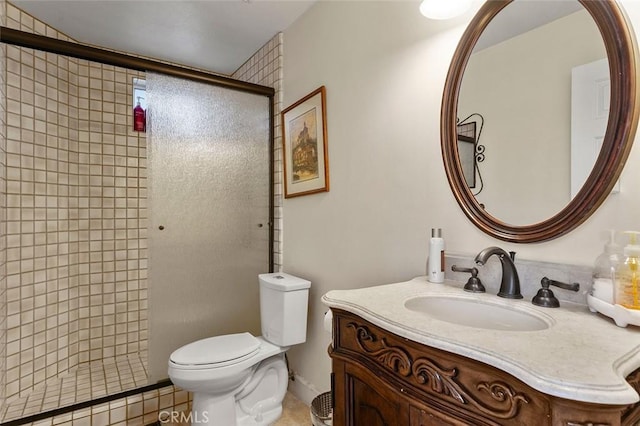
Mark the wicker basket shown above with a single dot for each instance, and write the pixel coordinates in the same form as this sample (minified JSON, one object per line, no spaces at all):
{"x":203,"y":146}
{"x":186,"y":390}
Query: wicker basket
{"x":322,"y":410}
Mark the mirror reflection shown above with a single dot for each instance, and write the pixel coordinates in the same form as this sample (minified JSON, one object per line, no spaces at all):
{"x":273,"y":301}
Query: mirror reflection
{"x":519,"y":78}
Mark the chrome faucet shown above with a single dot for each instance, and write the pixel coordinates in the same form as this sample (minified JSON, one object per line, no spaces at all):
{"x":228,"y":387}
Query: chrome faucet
{"x":510,"y":284}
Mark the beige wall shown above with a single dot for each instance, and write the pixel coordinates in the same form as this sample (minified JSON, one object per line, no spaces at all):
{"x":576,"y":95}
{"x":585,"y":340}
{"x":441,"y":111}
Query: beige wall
{"x":76,"y":213}
{"x":384,"y":68}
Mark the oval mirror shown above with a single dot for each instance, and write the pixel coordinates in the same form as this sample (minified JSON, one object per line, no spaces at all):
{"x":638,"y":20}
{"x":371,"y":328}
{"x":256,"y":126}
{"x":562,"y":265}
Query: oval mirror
{"x":508,"y":101}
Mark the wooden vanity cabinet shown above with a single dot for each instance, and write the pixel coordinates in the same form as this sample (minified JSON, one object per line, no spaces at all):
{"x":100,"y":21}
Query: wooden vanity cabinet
{"x":381,"y":379}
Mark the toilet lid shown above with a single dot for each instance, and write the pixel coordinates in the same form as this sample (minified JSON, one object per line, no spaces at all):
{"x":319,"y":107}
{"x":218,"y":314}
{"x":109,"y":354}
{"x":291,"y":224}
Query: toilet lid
{"x":215,"y":350}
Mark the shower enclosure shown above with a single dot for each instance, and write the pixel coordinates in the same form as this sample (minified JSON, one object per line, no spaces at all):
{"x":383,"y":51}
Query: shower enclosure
{"x":121,"y":246}
{"x":209,"y":212}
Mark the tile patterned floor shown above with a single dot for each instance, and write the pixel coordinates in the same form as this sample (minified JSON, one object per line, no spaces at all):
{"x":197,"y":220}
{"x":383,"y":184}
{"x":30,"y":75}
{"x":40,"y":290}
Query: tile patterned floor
{"x":85,"y":382}
{"x":97,"y":379}
{"x":294,"y":412}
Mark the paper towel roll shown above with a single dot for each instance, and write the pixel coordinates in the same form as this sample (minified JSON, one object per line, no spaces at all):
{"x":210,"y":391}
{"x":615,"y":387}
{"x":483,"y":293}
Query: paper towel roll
{"x":328,"y":320}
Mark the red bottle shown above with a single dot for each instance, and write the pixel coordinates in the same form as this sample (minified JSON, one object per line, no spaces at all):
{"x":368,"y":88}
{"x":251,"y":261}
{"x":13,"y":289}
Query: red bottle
{"x":139,"y":118}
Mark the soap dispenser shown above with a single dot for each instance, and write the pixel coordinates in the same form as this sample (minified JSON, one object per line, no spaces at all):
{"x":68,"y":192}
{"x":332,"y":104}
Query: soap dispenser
{"x":605,"y":270}
{"x":628,"y":280}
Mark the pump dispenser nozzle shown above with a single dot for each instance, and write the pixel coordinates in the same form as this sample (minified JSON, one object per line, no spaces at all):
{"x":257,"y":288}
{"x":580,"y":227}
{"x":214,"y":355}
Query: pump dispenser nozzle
{"x":633,"y":236}
{"x":612,"y":240}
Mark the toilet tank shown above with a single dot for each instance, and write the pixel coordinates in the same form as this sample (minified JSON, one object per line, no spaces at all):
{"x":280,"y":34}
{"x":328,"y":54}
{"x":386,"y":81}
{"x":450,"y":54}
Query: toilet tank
{"x":283,"y":308}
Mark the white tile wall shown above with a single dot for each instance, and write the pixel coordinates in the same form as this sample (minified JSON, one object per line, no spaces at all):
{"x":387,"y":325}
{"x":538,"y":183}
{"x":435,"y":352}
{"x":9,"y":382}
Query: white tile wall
{"x":3,"y":210}
{"x":265,"y":68}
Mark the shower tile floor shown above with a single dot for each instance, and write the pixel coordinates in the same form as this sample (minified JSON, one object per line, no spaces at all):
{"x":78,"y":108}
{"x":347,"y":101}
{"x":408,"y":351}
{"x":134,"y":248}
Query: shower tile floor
{"x":85,"y":382}
{"x":106,"y":377}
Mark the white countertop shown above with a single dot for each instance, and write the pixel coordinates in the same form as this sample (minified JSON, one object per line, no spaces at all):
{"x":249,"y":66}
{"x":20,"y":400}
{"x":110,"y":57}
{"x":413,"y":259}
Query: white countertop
{"x":582,"y":356}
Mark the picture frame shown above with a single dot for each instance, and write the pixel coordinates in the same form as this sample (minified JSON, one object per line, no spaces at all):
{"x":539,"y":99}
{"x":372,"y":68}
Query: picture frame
{"x":304,"y":146}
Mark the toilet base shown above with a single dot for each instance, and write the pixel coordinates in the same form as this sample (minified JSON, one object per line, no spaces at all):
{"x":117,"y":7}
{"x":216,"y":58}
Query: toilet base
{"x":258,"y":401}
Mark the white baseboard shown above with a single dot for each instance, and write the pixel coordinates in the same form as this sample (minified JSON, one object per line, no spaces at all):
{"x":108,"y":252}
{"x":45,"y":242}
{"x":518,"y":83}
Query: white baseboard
{"x":303,"y":390}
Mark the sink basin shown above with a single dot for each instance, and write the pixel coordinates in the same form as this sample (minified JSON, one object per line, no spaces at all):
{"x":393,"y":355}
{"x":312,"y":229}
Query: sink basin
{"x":475,"y":313}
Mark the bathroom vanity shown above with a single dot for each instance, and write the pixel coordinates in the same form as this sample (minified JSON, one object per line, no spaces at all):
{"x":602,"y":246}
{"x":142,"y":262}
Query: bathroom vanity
{"x":394,"y":363}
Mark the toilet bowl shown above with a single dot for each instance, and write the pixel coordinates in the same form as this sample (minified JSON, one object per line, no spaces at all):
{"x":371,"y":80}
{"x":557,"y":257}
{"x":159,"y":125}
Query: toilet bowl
{"x":239,"y":379}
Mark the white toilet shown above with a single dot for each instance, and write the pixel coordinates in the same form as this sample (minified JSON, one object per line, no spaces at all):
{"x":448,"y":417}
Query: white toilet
{"x":239,"y":379}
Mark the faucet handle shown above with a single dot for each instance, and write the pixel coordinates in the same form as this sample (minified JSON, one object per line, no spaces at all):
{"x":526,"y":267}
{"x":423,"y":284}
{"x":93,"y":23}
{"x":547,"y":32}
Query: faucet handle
{"x":546,"y":282}
{"x":474,"y":285}
{"x":545,"y":296}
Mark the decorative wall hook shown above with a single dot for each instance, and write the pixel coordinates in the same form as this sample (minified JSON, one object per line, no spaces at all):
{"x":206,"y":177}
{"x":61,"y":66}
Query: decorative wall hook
{"x":469,"y":131}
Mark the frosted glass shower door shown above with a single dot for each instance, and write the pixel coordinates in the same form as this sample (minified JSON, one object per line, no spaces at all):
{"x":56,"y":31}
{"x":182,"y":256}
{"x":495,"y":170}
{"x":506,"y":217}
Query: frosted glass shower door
{"x":209,"y":212}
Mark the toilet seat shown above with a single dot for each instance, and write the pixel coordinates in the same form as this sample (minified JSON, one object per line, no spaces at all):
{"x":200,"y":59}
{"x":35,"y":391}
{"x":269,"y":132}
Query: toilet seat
{"x":217,"y":351}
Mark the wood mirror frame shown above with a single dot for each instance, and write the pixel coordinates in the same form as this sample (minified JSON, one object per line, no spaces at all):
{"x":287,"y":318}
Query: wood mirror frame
{"x":621,"y":51}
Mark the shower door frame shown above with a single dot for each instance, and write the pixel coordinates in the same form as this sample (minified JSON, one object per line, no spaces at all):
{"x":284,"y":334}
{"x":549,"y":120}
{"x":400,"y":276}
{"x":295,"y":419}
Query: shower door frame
{"x":94,"y":54}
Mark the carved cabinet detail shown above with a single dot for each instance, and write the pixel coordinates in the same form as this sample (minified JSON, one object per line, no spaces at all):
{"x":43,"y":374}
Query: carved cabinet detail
{"x":387,"y":380}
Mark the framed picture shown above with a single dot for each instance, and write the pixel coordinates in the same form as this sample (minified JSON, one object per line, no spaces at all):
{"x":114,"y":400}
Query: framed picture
{"x":304,"y":146}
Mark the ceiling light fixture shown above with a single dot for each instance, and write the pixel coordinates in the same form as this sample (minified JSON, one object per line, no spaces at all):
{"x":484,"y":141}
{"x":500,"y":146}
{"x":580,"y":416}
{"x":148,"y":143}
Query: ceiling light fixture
{"x":444,"y":9}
